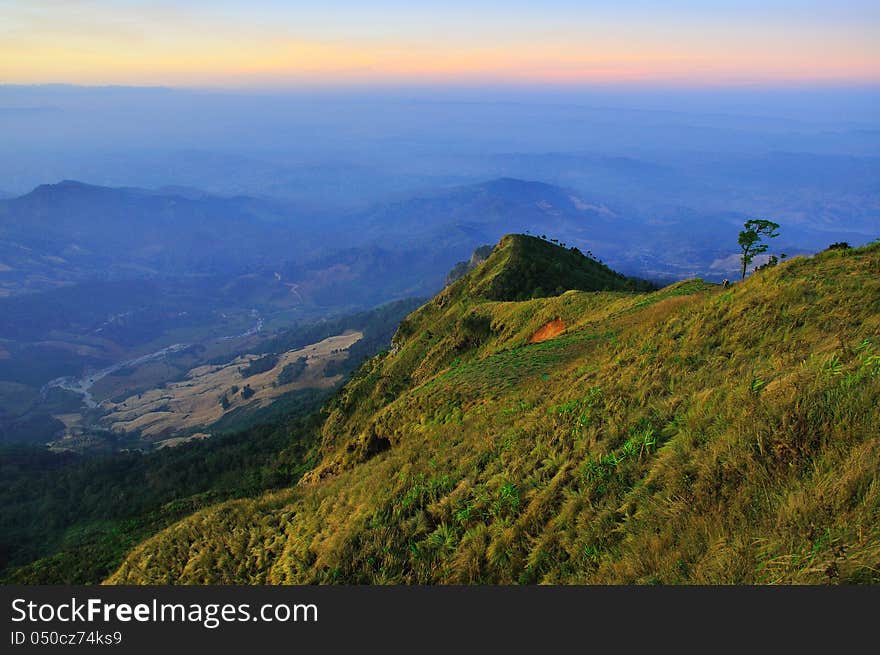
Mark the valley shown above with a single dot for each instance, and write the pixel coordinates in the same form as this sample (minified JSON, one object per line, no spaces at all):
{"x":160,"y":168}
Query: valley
{"x":171,"y":431}
{"x":208,"y":392}
{"x":172,"y":411}
{"x":96,"y":344}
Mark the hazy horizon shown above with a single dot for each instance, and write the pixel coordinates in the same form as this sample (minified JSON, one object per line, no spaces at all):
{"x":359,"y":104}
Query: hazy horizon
{"x":707,"y":112}
{"x":480,"y":41}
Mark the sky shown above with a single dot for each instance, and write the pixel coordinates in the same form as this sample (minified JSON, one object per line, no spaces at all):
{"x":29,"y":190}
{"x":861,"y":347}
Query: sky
{"x":282,"y":44}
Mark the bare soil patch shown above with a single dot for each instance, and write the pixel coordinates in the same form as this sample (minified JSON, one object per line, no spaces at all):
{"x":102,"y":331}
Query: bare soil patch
{"x":547,"y":331}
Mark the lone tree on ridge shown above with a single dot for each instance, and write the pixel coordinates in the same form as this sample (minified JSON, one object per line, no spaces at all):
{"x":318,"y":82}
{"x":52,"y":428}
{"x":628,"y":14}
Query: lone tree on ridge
{"x":750,"y":239}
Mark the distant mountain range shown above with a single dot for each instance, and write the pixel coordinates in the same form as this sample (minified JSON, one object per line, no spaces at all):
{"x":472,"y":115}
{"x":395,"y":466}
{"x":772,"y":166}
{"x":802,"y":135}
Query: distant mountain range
{"x":488,"y":211}
{"x":71,"y":232}
{"x":679,"y":244}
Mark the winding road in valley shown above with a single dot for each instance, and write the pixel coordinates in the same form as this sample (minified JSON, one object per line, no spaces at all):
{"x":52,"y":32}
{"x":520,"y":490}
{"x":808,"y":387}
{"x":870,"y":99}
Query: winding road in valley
{"x":83,"y":385}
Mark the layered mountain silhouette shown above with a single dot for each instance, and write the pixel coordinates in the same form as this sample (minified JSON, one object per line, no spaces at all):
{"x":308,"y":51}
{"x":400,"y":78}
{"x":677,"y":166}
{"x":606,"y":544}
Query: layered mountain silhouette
{"x":91,"y":231}
{"x":74,"y":232}
{"x":472,"y":215}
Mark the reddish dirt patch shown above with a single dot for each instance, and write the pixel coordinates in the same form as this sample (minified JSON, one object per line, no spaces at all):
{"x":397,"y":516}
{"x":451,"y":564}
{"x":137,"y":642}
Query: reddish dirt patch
{"x":548,"y":331}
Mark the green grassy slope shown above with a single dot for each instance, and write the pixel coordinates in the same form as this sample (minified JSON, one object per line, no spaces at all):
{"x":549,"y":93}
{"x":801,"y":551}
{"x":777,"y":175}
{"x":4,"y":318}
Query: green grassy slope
{"x":687,"y":435}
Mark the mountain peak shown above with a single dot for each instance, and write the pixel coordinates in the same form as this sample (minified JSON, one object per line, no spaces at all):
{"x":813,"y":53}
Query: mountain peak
{"x":523,"y":266}
{"x":510,"y":183}
{"x":66,"y":189}
{"x":63,"y":184}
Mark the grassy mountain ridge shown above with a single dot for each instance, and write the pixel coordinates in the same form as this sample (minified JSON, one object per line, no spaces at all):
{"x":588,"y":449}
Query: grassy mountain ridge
{"x":686,"y":435}
{"x":456,"y":325}
{"x":526,"y":267}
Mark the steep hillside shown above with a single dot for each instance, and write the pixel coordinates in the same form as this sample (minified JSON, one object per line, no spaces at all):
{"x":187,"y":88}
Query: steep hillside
{"x":462,"y":268}
{"x":687,"y":435}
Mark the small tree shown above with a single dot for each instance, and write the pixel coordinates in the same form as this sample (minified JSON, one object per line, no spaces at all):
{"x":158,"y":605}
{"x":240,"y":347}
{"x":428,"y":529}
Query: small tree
{"x":750,"y":240}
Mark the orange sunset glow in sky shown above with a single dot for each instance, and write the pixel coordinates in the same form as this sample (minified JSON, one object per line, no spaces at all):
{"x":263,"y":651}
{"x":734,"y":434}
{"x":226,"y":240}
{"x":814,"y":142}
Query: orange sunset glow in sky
{"x":226,"y":43}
